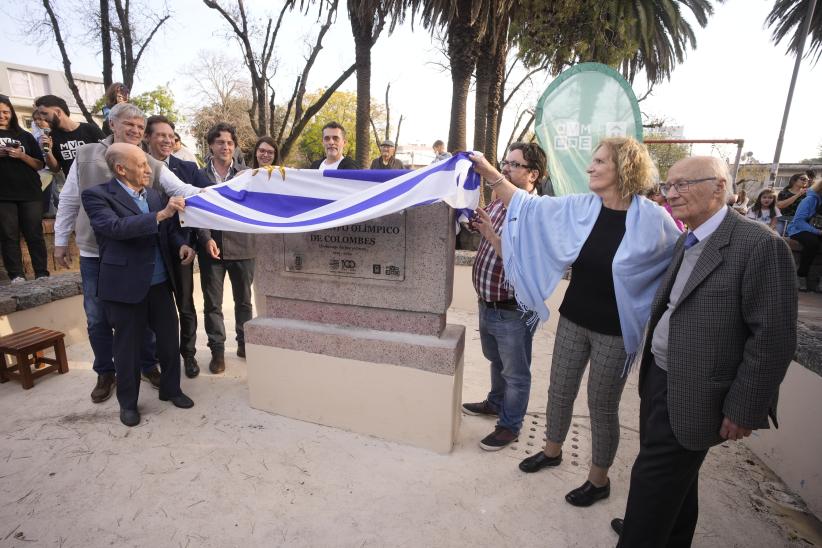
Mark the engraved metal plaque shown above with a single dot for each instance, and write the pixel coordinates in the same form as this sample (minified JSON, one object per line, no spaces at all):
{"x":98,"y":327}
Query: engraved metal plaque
{"x":371,"y":249}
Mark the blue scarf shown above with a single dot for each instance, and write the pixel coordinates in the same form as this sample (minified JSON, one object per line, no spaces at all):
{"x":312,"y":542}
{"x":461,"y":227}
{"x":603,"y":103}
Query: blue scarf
{"x":543,"y":236}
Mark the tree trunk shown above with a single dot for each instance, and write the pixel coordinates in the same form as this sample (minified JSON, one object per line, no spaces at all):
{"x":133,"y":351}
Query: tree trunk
{"x":494,"y":110}
{"x":482,"y":85}
{"x":362,"y":44}
{"x":105,"y":38}
{"x":463,"y":48}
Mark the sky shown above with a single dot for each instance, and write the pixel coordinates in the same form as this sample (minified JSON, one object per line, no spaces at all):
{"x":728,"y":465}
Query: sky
{"x":732,"y":86}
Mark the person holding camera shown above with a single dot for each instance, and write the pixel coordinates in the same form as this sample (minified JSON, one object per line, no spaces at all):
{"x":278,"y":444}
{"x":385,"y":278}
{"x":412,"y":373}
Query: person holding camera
{"x":21,"y":199}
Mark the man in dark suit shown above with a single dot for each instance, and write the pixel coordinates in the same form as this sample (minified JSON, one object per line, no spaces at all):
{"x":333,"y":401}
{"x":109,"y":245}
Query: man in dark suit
{"x":721,"y":335}
{"x":136,"y":236}
{"x":159,"y":140}
{"x":334,"y":145}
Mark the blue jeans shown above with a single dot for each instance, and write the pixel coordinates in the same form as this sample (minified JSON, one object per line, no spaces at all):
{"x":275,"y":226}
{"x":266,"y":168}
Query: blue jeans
{"x":100,"y":333}
{"x":506,"y":342}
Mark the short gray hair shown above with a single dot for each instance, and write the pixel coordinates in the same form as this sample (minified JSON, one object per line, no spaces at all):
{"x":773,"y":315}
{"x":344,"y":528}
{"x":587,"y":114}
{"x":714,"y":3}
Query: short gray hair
{"x":125,"y":111}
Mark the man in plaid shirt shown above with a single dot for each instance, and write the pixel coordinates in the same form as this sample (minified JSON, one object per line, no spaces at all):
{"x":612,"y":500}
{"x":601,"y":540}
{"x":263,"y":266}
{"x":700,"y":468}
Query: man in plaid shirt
{"x":504,"y":331}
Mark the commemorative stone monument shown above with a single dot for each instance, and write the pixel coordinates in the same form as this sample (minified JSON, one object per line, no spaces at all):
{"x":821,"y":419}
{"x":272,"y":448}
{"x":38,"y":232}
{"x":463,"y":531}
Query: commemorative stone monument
{"x":352,"y":328}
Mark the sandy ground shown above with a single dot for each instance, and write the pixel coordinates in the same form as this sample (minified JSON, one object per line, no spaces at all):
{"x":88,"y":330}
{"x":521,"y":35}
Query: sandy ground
{"x":223,"y":474}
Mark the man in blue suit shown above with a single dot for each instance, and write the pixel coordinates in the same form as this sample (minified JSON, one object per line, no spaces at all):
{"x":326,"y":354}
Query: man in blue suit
{"x":137,"y":235}
{"x":159,"y":140}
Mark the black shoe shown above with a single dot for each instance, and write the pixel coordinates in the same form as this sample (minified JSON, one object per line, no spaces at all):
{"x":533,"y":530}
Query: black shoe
{"x":241,"y":350}
{"x":537,"y":462}
{"x":217,"y":364}
{"x":498,"y":439}
{"x":481,"y":408}
{"x":152,"y":376}
{"x":129,"y":417}
{"x":191,"y":367}
{"x":588,"y":494}
{"x":617,"y":524}
{"x":180,"y":400}
{"x":104,"y":387}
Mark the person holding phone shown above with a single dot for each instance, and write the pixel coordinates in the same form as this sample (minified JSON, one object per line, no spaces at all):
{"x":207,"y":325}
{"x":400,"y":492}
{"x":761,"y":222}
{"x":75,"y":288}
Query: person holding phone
{"x":21,"y":198}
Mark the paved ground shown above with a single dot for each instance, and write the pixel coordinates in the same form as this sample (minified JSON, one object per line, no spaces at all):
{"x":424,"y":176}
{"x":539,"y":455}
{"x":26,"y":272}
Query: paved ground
{"x":223,"y":474}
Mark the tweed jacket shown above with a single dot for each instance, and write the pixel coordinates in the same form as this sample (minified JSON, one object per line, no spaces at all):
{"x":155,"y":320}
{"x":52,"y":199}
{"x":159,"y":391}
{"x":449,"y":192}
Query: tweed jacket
{"x":732,"y":335}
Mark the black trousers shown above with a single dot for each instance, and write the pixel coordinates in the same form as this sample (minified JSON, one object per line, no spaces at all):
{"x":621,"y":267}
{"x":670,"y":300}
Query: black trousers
{"x":810,"y":247}
{"x":663,"y":503}
{"x":25,"y":217}
{"x":184,"y":297}
{"x":129,"y":321}
{"x":212,"y":278}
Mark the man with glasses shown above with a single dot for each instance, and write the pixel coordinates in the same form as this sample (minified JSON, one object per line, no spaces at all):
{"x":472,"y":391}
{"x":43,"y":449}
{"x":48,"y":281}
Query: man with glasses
{"x":505,"y":332}
{"x":221,"y":252}
{"x":721,"y":335}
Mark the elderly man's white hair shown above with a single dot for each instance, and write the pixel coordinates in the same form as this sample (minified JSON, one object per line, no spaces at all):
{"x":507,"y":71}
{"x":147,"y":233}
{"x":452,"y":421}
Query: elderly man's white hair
{"x":116,"y":153}
{"x":721,"y":171}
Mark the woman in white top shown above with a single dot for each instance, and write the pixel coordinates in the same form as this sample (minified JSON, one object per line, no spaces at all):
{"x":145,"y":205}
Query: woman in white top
{"x":764,"y":209}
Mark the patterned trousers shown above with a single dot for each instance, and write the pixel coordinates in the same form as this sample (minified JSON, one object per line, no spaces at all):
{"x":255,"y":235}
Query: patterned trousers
{"x":573,"y":348}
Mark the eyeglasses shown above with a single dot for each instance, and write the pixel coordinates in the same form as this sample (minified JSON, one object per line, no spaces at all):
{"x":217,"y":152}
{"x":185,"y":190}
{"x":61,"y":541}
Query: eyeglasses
{"x":682,"y":185}
{"x":263,"y":152}
{"x":514,"y":165}
{"x":804,"y":179}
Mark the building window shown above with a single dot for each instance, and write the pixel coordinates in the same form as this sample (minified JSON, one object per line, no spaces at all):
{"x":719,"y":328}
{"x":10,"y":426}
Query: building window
{"x":28,"y":84}
{"x":90,"y":91}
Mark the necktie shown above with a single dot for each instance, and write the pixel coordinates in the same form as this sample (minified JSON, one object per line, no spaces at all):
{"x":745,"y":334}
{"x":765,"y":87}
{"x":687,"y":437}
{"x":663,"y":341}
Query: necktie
{"x":690,"y":240}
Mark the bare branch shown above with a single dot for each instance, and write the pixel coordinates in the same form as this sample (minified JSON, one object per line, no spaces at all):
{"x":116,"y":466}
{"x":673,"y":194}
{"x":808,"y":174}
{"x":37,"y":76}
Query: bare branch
{"x":148,"y":39}
{"x":298,"y":126}
{"x":58,"y":37}
{"x":397,"y":135}
{"x":376,"y":133}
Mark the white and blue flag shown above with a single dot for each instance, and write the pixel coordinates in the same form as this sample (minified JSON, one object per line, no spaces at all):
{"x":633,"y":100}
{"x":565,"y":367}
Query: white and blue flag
{"x":270,"y":200}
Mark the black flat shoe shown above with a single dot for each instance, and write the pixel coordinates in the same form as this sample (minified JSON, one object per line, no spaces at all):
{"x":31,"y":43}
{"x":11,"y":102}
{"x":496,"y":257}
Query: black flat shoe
{"x":616,"y":525}
{"x":588,"y":494}
{"x":191,"y":367}
{"x":180,"y":400}
{"x":537,"y":462}
{"x":129,"y":417}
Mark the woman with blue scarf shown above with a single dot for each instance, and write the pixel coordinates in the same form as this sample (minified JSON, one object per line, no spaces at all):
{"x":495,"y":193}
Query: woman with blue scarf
{"x":618,"y":245}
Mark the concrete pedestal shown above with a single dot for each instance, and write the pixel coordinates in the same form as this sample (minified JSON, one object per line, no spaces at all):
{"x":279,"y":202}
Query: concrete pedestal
{"x":356,"y":350}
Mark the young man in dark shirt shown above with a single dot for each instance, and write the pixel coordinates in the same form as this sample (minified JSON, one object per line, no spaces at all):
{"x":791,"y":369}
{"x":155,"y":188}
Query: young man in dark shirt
{"x":66,"y":134}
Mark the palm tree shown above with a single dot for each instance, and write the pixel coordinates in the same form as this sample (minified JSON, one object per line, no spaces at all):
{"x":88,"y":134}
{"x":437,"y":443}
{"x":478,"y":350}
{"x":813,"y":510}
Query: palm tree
{"x":789,"y":14}
{"x":466,"y":22}
{"x":367,"y":21}
{"x":662,"y":34}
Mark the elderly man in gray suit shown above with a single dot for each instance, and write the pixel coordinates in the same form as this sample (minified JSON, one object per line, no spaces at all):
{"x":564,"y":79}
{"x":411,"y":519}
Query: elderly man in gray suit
{"x":721,"y":335}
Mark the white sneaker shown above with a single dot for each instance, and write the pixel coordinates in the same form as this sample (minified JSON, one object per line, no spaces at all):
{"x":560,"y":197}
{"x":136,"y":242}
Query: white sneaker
{"x":18,"y":280}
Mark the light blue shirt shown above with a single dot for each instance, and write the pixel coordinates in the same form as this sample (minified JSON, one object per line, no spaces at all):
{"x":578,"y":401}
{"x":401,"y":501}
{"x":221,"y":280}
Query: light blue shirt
{"x":159,"y":275}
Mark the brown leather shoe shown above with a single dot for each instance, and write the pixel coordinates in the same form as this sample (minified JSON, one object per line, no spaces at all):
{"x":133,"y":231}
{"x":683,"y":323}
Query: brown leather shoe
{"x":104,"y":387}
{"x":217,"y":364}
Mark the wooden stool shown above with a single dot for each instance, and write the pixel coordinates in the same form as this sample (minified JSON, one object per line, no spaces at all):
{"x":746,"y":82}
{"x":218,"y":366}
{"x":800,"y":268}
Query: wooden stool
{"x":27,"y":347}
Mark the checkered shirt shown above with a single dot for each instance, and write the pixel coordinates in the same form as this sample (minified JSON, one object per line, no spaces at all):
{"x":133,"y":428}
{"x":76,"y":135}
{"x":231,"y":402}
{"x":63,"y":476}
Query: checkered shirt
{"x":488,"y":275}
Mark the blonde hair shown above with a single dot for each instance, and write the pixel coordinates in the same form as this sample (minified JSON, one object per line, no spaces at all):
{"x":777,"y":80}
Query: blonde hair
{"x":636,"y":172}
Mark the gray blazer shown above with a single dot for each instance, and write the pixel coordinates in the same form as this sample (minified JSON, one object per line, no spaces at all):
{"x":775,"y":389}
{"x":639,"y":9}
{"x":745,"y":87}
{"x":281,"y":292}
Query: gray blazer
{"x":733,"y":334}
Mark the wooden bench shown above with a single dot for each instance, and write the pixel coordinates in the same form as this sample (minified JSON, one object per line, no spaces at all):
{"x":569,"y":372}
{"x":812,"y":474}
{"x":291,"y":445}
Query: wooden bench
{"x":27,"y":348}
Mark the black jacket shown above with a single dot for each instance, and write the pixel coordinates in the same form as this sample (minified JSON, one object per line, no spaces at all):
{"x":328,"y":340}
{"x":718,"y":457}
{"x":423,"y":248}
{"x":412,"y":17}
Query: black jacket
{"x":347,"y":163}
